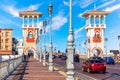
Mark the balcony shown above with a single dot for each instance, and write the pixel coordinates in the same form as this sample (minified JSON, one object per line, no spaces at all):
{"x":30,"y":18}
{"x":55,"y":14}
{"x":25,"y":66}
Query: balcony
{"x":31,"y":26}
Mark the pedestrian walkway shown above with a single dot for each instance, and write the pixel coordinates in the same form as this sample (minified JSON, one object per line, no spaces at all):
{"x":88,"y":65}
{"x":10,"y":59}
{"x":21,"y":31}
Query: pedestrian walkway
{"x":34,"y":70}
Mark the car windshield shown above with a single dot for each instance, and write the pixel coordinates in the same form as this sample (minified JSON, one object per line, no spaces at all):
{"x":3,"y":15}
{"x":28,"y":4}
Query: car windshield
{"x":95,"y":61}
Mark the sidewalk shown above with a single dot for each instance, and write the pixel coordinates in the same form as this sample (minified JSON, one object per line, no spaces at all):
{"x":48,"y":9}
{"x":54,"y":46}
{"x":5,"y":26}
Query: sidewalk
{"x":34,"y":70}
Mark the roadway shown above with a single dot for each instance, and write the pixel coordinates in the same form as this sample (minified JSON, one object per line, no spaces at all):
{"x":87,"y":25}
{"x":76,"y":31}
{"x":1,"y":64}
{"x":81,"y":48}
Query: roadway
{"x":112,"y":72}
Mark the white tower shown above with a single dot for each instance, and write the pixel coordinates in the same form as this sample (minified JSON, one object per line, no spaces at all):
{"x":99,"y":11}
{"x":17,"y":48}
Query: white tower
{"x":30,"y":30}
{"x":95,"y":25}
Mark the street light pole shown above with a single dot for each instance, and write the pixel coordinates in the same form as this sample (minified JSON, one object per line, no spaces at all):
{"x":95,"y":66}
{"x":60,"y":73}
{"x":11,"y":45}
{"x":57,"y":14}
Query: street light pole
{"x":70,"y":50}
{"x":106,"y":44}
{"x":119,"y":42}
{"x":40,"y":45}
{"x":50,"y":46}
{"x":44,"y":25}
{"x":80,"y":50}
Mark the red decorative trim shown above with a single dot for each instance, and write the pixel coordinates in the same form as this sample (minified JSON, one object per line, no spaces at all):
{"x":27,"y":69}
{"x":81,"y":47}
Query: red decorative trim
{"x":88,"y":39}
{"x":30,"y":40}
{"x":96,"y":29}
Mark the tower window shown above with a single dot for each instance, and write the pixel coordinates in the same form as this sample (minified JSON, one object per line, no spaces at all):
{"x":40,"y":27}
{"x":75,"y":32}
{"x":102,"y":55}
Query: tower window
{"x":96,"y":35}
{"x":30,"y":35}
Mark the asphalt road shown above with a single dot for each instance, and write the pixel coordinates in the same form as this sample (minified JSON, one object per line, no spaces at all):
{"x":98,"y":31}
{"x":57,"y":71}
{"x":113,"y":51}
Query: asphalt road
{"x":112,"y":72}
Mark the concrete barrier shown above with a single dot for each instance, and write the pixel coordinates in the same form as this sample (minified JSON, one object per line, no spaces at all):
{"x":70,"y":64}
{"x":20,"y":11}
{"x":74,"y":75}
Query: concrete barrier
{"x":9,"y":63}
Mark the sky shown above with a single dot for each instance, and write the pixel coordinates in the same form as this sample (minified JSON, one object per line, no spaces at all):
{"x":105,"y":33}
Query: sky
{"x":9,"y":18}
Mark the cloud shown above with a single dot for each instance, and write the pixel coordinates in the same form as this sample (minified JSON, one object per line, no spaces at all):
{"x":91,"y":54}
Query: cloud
{"x":68,"y":4}
{"x":111,"y":32}
{"x":35,"y":6}
{"x":15,"y":12}
{"x":105,"y":4}
{"x":58,"y":21}
{"x":65,"y":3}
{"x":113,"y":8}
{"x":80,"y":15}
{"x":85,"y":3}
{"x":77,"y":35}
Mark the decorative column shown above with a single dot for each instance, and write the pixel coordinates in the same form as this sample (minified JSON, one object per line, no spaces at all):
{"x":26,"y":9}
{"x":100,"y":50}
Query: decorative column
{"x":99,"y":21}
{"x":23,"y":21}
{"x":44,"y":25}
{"x":50,"y":46}
{"x":94,"y":20}
{"x":104,"y":19}
{"x":28,"y":21}
{"x":37,"y":22}
{"x":40,"y":58}
{"x":32,"y":21}
{"x":89,"y":19}
{"x":70,"y":50}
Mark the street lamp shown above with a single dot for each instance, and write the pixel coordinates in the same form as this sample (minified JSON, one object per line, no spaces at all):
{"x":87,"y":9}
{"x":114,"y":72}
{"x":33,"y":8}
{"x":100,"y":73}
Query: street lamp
{"x":119,"y":42}
{"x":79,"y":46}
{"x":70,"y":50}
{"x":50,"y":46}
{"x":106,"y":39}
{"x":40,"y":45}
{"x":44,"y":25}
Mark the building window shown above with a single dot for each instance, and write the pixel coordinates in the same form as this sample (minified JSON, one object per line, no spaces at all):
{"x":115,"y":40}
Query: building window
{"x":6,"y":41}
{"x":7,"y":34}
{"x":2,"y":33}
{"x":6,"y":47}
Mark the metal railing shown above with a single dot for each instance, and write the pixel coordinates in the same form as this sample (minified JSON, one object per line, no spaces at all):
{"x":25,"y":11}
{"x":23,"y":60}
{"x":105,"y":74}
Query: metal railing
{"x":8,"y":64}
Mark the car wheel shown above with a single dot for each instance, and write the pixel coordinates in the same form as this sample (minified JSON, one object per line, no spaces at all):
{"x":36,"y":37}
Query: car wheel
{"x":104,"y":71}
{"x":83,"y":70}
{"x":88,"y":70}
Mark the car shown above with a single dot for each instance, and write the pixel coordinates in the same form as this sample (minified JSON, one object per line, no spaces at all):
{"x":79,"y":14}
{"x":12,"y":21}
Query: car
{"x":109,"y":60}
{"x":93,"y":65}
{"x":97,"y":57}
{"x":63,"y":57}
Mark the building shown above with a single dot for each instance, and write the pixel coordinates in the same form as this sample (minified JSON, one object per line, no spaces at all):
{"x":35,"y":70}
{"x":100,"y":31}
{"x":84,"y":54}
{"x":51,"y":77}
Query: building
{"x":5,"y":41}
{"x":95,"y":26}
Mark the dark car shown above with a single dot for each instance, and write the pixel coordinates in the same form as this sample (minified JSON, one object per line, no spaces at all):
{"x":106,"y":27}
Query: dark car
{"x":63,"y":57}
{"x":93,"y":65}
{"x":76,"y":58}
{"x":109,"y":60}
{"x":97,"y":57}
{"x":47,"y":56}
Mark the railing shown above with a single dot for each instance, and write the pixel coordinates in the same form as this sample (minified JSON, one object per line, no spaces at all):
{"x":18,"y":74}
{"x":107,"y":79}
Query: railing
{"x":8,"y":64}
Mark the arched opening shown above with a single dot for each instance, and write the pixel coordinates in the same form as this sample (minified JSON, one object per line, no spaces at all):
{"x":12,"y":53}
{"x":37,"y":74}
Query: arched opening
{"x":30,"y":35}
{"x":31,"y":52}
{"x":96,"y":52}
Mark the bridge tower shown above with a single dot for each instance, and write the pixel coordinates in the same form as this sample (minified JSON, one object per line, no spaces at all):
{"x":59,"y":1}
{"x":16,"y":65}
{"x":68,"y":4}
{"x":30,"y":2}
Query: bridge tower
{"x":30,"y":30}
{"x":95,"y":26}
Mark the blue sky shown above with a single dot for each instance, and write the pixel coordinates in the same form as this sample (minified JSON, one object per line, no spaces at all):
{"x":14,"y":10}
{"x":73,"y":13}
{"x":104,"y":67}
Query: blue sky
{"x":9,"y":18}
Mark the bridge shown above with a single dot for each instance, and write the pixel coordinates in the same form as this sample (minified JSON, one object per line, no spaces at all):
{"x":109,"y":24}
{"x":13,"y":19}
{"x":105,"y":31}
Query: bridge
{"x":17,"y":68}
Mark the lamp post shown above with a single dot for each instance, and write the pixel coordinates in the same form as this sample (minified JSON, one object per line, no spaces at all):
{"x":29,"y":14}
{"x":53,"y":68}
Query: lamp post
{"x":119,"y":42}
{"x":40,"y":45}
{"x":70,"y":50}
{"x":44,"y":25}
{"x":106,"y":44}
{"x":79,"y":46}
{"x":50,"y":45}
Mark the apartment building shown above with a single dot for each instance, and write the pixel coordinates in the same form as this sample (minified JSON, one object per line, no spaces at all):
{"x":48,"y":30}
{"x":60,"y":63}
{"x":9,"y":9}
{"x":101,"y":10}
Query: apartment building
{"x":5,"y":41}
